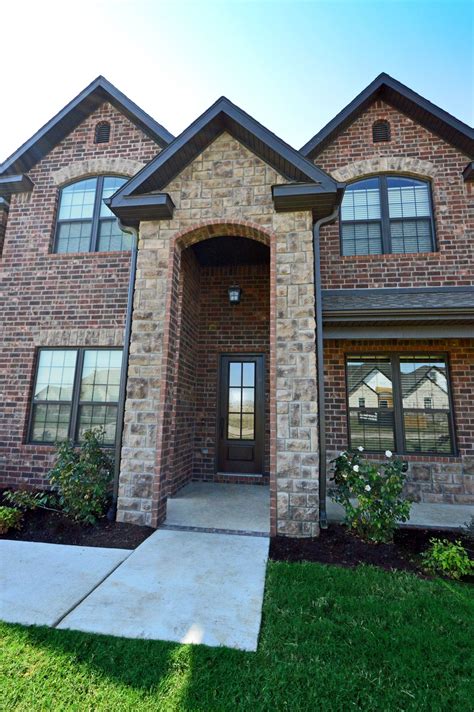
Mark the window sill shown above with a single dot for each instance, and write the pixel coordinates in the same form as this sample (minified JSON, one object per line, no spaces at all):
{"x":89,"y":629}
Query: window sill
{"x":69,"y":255}
{"x":388,"y":256}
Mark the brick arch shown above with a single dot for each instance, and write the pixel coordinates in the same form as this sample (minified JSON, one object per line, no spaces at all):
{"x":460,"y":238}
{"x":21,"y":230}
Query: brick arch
{"x":386,"y":164}
{"x":95,"y":166}
{"x":218,"y":228}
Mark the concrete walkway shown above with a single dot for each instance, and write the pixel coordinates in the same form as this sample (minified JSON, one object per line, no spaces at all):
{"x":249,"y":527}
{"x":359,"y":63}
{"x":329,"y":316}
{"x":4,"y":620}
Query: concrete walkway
{"x":181,"y":586}
{"x":187,"y":587}
{"x":428,"y":516}
{"x":40,"y":583}
{"x":205,"y":505}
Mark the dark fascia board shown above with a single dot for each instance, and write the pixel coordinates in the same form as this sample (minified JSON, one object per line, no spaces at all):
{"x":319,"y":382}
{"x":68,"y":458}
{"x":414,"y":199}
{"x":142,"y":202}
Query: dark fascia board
{"x":15,"y":184}
{"x":468,"y":172}
{"x":407,"y":101}
{"x":4,"y":205}
{"x":72,"y":115}
{"x":134,"y":208}
{"x":292,"y":197}
{"x":454,"y":314}
{"x":222,"y":116}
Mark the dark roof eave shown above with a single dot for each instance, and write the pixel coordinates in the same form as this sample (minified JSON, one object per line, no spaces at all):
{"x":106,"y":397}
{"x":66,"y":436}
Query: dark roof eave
{"x":11,"y":184}
{"x":135,"y":209}
{"x":468,"y":172}
{"x":70,"y":117}
{"x":407,"y":101}
{"x":400,"y":315}
{"x":222,"y":116}
{"x":294,"y":197}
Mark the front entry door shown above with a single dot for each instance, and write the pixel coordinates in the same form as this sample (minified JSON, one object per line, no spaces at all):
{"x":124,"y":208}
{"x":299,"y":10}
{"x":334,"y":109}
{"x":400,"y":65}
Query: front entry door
{"x":241,"y":415}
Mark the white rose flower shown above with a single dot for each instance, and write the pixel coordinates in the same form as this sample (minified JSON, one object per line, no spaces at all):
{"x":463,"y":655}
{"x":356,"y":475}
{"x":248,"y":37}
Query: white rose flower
{"x":388,"y":453}
{"x":367,"y":488}
{"x":344,"y":476}
{"x":342,"y":454}
{"x":356,"y":468}
{"x":360,"y":448}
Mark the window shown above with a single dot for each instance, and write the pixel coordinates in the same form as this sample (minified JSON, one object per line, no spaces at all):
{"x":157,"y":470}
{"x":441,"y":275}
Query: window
{"x":361,"y":402}
{"x":407,"y":405}
{"x":75,"y":389}
{"x":85,"y":224}
{"x":387,"y":214}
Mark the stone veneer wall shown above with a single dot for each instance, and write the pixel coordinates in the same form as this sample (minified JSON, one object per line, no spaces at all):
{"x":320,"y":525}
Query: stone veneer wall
{"x":225,"y":190}
{"x":434,"y":479}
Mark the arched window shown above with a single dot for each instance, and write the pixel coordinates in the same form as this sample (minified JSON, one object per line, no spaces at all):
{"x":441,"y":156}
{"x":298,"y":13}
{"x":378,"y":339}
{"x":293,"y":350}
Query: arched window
{"x":85,"y":224}
{"x":387,"y":214}
{"x":381,"y":131}
{"x":102,"y":132}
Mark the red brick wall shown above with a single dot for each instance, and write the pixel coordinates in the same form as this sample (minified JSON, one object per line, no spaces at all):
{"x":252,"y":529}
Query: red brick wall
{"x":453,"y":263}
{"x":208,"y":326}
{"x":41,"y":290}
{"x":431,"y":478}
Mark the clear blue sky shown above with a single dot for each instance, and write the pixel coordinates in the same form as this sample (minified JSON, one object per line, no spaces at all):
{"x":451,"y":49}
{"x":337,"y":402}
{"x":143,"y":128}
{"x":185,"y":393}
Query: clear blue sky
{"x":292,"y":65}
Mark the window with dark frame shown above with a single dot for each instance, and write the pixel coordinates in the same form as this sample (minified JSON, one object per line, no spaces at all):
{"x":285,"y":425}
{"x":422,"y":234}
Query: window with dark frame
{"x":387,"y":214}
{"x":75,"y":390}
{"x":85,"y":223}
{"x":407,"y":404}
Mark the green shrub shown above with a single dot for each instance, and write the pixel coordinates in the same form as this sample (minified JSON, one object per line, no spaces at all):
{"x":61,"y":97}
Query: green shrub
{"x":10,"y":518}
{"x":25,"y":500}
{"x":377,"y":487}
{"x":447,"y":559}
{"x":81,"y":477}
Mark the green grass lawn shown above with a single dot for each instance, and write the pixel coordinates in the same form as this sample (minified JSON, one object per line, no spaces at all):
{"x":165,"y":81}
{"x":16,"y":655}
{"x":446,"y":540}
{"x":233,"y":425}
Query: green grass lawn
{"x":332,"y":639}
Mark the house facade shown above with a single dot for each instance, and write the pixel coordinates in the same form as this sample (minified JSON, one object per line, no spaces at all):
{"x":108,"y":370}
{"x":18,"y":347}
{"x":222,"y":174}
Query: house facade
{"x":231,"y":309}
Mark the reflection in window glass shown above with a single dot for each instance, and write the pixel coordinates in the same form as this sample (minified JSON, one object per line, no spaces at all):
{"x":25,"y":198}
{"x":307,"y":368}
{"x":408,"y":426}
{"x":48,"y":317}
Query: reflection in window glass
{"x":53,"y":395}
{"x":426,"y":407}
{"x":100,"y":384}
{"x":370,"y":392}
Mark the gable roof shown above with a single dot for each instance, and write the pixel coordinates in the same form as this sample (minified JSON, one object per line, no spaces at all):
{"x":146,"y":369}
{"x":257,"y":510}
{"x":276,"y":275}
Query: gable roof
{"x":222,"y":116}
{"x":82,"y":106}
{"x":405,"y":100}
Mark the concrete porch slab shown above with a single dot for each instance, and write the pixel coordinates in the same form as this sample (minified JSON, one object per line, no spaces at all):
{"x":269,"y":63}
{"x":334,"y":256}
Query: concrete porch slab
{"x":435,"y":516}
{"x":221,"y":506}
{"x":40,"y":583}
{"x":186,"y":587}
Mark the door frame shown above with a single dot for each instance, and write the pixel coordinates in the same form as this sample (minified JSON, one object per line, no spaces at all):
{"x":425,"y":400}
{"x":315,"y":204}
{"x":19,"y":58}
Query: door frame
{"x":261,"y":416}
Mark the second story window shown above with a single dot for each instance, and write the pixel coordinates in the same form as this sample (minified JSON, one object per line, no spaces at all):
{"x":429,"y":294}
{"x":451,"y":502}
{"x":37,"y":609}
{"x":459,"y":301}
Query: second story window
{"x":387,"y":214}
{"x":85,"y":224}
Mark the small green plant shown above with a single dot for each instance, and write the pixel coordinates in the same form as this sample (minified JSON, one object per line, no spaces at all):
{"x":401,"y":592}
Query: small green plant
{"x":81,"y":477}
{"x":26,"y":500}
{"x":447,"y":558}
{"x":371,"y":494}
{"x":10,"y":518}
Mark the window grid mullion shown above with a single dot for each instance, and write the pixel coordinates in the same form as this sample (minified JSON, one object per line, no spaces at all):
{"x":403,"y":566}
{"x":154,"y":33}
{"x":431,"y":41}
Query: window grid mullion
{"x":398,"y":405}
{"x":384,"y":210}
{"x":96,"y":213}
{"x":75,"y":395}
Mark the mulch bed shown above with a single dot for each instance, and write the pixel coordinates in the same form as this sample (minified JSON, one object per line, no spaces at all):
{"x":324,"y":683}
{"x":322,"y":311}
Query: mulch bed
{"x":54,"y":528}
{"x":336,"y":545}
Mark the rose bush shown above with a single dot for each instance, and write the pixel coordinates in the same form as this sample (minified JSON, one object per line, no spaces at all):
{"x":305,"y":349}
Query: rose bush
{"x":371,"y":494}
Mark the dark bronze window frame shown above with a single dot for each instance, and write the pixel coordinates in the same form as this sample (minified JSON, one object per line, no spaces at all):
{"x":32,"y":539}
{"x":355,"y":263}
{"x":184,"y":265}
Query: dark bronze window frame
{"x":385,"y":220}
{"x":96,"y":218}
{"x":398,"y":421}
{"x":75,"y":402}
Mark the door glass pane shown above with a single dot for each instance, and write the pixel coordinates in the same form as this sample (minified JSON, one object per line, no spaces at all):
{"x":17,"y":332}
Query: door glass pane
{"x":248,"y":400}
{"x":235,"y":400}
{"x":248,"y":427}
{"x":235,"y":374}
{"x":233,"y":430}
{"x":248,"y":374}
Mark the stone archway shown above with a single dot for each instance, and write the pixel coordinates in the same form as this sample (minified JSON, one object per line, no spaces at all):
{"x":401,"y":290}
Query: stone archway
{"x":175,"y":461}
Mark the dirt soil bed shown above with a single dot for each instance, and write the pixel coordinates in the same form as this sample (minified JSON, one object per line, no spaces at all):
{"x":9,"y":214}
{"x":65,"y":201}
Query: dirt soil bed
{"x":336,"y":545}
{"x":54,"y":528}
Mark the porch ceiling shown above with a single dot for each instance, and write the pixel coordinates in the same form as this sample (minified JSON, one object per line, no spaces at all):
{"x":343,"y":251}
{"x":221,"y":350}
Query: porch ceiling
{"x":219,"y":251}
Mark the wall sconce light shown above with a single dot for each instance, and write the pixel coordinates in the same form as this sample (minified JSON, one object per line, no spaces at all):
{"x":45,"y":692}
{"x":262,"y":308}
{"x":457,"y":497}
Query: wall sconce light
{"x":234,"y":294}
